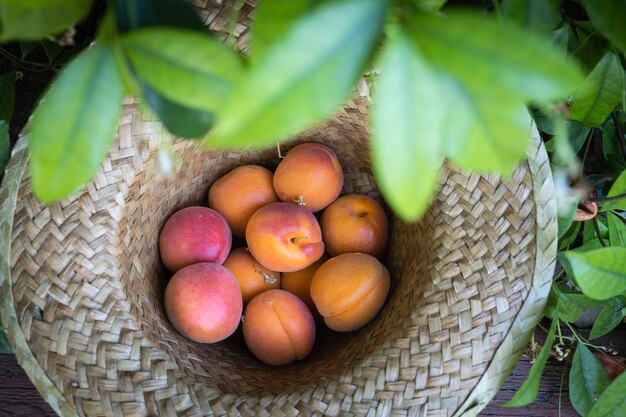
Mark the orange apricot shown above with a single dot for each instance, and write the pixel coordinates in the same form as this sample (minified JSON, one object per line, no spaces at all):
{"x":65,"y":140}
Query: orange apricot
{"x":241,"y":192}
{"x":203,"y":302}
{"x":299,"y":282}
{"x":349,"y":290}
{"x":278,"y":328}
{"x":284,"y":237}
{"x":253,"y":278}
{"x":309,"y":175}
{"x":355,"y":223}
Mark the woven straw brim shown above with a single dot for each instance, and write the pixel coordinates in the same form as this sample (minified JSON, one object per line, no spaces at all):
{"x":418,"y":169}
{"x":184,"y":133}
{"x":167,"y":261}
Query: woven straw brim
{"x":82,"y":287}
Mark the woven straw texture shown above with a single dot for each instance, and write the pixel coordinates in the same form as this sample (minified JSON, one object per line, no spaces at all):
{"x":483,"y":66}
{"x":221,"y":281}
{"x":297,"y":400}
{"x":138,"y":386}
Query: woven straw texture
{"x":82,"y":287}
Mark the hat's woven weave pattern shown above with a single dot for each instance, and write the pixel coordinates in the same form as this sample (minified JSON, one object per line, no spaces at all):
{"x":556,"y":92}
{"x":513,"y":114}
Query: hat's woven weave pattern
{"x":82,"y":285}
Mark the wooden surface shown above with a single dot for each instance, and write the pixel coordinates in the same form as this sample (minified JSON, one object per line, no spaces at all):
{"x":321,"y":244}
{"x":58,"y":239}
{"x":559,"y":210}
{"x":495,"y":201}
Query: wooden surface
{"x":19,"y":398}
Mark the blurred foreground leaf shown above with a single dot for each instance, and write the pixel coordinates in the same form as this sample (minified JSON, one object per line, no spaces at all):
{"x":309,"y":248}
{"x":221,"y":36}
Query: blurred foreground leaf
{"x":74,"y":124}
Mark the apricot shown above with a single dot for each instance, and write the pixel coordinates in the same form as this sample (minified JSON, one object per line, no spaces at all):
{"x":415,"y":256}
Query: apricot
{"x":253,"y":278}
{"x":299,"y":282}
{"x":349,"y":290}
{"x":309,"y":175}
{"x":241,"y":192}
{"x":278,"y":328}
{"x":203,"y":302}
{"x":194,"y":234}
{"x":355,"y":223}
{"x":284,"y":237}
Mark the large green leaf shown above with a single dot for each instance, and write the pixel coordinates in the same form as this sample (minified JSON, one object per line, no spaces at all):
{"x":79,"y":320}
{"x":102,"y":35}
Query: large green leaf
{"x":587,"y":380}
{"x":600,"y":273}
{"x":568,"y":305}
{"x":133,"y":14}
{"x":304,"y":77}
{"x":609,"y":318}
{"x":187,"y":67}
{"x":600,"y":93}
{"x":34,"y":19}
{"x":530,"y":388}
{"x":539,"y":15}
{"x":570,"y":236}
{"x":272,"y":20}
{"x":609,"y":17}
{"x":74,"y":124}
{"x":496,"y":55}
{"x":610,"y":146}
{"x":180,"y":120}
{"x":618,"y":188}
{"x":566,"y":209}
{"x":612,"y":403}
{"x":407,"y":128}
{"x":617,"y":230}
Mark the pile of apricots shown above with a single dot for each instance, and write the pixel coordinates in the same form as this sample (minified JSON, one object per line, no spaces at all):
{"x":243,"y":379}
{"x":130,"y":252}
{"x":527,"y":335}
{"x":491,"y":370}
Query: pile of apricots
{"x":294,"y":272}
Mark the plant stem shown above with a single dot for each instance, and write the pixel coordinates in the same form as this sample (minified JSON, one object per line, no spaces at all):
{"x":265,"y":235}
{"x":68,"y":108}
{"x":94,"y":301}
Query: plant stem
{"x":561,"y":387}
{"x":596,"y":225}
{"x":620,"y":135}
{"x":607,"y":199}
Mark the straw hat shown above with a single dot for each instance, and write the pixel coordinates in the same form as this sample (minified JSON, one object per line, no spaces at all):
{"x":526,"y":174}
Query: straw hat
{"x":82,"y":288}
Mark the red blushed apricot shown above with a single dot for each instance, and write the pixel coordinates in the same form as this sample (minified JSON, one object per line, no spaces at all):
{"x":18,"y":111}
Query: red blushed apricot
{"x":349,"y":290}
{"x":241,"y":192}
{"x":203,"y":302}
{"x":355,"y":223}
{"x":310,"y":175}
{"x":299,"y":283}
{"x":278,"y":328}
{"x":194,"y":234}
{"x":253,"y":278}
{"x":284,"y":237}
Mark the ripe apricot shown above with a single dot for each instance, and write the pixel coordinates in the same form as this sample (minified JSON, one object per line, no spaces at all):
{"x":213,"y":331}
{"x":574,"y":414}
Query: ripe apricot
{"x":241,"y":192}
{"x":203,"y":302}
{"x":253,"y":278}
{"x":354,"y":223}
{"x":194,"y":234}
{"x":284,"y":237}
{"x":349,"y":290}
{"x":310,"y":175}
{"x":299,"y":282}
{"x":278,"y":327}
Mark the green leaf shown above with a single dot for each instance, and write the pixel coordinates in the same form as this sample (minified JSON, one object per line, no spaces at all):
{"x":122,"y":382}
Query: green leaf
{"x":609,"y":318}
{"x":617,"y":230}
{"x":271,"y":21}
{"x":589,"y":231}
{"x":587,"y":380}
{"x":610,"y":146}
{"x":407,"y":128}
{"x":570,"y":236}
{"x":5,"y":146}
{"x":530,"y":388}
{"x":618,"y":188}
{"x":180,"y":120}
{"x":612,"y":403}
{"x":7,"y":95}
{"x":601,"y":273}
{"x":609,"y":17}
{"x":26,"y":47}
{"x":600,"y":93}
{"x":304,"y":77}
{"x":538,"y":15}
{"x":568,"y":305}
{"x":34,"y":19}
{"x":5,"y":346}
{"x":566,"y":209}
{"x":74,"y":124}
{"x":588,"y":47}
{"x":133,"y":14}
{"x":52,"y":49}
{"x":496,"y":55}
{"x":429,"y":5}
{"x":186,"y":67}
